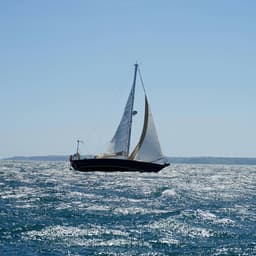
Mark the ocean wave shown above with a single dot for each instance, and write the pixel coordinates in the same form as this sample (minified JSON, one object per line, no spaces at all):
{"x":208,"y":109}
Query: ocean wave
{"x":184,"y":209}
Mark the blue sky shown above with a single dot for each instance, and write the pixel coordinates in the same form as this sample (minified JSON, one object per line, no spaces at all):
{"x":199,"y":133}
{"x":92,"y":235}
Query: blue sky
{"x":66,"y":69}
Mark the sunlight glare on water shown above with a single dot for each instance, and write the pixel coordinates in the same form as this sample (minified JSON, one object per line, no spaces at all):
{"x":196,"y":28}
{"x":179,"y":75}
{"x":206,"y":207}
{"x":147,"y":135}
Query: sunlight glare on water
{"x":47,"y":209}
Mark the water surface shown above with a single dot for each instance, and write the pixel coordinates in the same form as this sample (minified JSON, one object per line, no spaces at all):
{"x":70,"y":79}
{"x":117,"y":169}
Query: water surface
{"x":47,"y":209}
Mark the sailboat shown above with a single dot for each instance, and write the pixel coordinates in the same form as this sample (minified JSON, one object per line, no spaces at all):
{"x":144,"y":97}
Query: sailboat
{"x":146,"y":156}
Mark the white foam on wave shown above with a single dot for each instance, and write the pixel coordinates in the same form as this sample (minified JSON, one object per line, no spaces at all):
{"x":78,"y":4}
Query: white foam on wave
{"x":81,"y":236}
{"x":226,"y":221}
{"x":77,"y":194}
{"x":234,"y":251}
{"x":104,"y":243}
{"x":175,"y":227}
{"x":136,"y":210}
{"x":202,"y":232}
{"x":98,"y":208}
{"x":63,"y":206}
{"x":169,"y":193}
{"x":19,"y":192}
{"x":206,"y":215}
{"x":54,"y":232}
{"x":245,"y":211}
{"x":169,"y":241}
{"x":4,"y":168}
{"x":25,"y":206}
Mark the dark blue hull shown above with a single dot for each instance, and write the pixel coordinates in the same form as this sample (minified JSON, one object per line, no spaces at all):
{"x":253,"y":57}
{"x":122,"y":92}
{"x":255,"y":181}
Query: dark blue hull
{"x":115,"y":165}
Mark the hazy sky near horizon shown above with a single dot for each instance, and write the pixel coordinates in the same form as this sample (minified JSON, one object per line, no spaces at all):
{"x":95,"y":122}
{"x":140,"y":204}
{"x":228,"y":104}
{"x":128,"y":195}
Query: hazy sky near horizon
{"x":66,"y":69}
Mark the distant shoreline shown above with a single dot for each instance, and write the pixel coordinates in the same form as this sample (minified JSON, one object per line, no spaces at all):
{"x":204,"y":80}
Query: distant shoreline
{"x":38,"y":158}
{"x":173,"y":160}
{"x":214,"y":160}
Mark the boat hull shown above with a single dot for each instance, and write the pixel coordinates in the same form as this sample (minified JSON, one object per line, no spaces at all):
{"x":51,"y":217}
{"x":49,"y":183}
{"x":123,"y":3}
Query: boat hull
{"x":115,"y":165}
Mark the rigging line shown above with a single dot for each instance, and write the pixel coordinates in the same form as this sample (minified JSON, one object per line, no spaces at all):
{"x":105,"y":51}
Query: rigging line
{"x":141,"y":80}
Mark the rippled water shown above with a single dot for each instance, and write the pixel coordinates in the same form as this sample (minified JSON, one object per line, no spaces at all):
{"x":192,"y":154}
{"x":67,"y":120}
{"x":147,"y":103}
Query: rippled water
{"x":47,"y":209}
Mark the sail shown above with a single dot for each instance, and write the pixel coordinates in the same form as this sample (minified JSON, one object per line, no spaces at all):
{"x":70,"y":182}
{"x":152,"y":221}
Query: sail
{"x":148,"y":149}
{"x":120,"y":143}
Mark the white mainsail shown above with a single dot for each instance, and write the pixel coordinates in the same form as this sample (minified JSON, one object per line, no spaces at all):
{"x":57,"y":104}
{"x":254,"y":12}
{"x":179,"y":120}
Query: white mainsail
{"x":148,"y":149}
{"x":120,"y":143}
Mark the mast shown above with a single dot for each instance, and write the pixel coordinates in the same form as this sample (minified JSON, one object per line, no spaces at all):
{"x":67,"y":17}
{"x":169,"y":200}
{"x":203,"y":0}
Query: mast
{"x":148,"y":148}
{"x":130,"y":124}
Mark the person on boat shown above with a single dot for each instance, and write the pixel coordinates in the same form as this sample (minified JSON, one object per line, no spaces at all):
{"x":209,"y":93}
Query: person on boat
{"x":76,"y":156}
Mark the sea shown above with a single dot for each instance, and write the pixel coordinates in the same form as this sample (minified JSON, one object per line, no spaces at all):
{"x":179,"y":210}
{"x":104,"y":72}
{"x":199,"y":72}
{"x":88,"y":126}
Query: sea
{"x":186,"y":209}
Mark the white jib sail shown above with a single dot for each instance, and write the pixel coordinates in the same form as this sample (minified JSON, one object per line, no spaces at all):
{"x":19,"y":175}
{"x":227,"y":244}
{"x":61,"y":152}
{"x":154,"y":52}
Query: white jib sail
{"x":119,"y":144}
{"x":148,"y":148}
